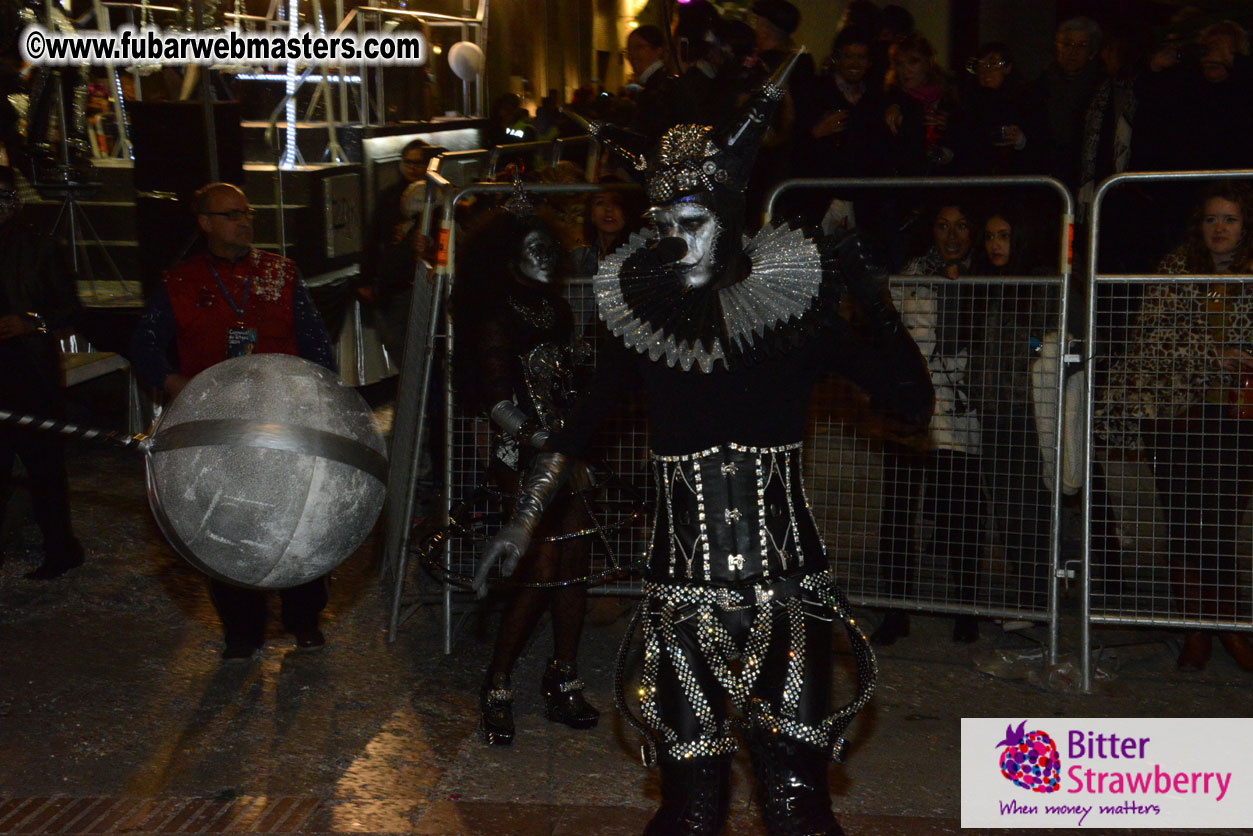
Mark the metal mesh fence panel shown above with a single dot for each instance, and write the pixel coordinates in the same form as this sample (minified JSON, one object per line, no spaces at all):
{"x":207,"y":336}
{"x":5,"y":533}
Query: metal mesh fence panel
{"x":958,"y":518}
{"x":1172,"y":468}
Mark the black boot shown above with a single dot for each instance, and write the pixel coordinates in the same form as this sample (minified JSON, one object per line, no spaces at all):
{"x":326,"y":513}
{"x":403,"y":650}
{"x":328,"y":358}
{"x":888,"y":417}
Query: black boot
{"x":57,"y":562}
{"x":695,"y":794}
{"x":563,"y":697}
{"x":965,"y":629}
{"x":895,"y":626}
{"x":792,"y":786}
{"x":496,"y":710}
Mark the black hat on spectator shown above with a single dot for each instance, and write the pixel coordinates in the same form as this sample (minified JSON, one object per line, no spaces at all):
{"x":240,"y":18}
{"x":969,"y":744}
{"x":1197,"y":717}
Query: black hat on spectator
{"x":897,"y":20}
{"x":781,"y":14}
{"x":852,"y":35}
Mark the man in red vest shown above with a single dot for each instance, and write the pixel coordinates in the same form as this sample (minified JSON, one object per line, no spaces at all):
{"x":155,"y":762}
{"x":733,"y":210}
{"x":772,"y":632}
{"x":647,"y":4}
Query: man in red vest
{"x":228,"y":301}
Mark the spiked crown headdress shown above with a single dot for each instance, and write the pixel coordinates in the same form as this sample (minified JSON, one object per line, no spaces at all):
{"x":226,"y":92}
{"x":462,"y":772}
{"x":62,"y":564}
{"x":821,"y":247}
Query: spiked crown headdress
{"x":690,"y":159}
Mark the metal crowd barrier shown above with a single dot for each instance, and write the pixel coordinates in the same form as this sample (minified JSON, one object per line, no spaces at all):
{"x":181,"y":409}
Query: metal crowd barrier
{"x":911,"y":531}
{"x":1154,"y":479}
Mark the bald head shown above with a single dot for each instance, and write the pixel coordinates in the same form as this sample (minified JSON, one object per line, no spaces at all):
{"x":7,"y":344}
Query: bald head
{"x":224,"y":216}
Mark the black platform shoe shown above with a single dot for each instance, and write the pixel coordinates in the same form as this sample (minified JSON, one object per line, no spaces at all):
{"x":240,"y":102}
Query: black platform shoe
{"x":496,"y":710}
{"x":895,"y":626}
{"x":563,"y":697}
{"x":56,"y":564}
{"x":965,"y":629}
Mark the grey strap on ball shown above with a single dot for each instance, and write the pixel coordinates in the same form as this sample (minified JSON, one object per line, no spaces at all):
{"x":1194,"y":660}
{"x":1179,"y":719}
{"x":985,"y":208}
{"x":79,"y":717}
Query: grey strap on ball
{"x":271,"y":436}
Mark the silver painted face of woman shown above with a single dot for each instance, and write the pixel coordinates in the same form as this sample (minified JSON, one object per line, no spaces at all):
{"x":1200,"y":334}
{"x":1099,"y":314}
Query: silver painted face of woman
{"x":698,"y":227}
{"x":538,"y":259}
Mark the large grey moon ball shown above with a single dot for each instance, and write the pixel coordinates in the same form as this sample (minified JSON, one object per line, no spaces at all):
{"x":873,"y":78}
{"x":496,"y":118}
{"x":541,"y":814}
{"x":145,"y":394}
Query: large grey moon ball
{"x":266,"y":472}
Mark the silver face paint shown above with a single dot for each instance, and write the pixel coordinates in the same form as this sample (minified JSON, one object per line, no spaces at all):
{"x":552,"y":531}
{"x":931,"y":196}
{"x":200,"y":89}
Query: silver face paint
{"x":698,"y":227}
{"x":538,"y":259}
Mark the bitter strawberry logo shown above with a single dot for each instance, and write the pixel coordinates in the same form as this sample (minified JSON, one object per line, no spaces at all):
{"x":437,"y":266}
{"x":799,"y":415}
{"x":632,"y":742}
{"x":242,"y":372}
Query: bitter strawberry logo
{"x":1030,"y":759}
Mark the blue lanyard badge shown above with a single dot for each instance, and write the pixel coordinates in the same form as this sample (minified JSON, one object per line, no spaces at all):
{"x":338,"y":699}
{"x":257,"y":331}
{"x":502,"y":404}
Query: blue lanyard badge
{"x":240,"y":341}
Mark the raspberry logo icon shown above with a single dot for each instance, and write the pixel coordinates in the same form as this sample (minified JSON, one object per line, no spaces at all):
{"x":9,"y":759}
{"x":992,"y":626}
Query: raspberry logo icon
{"x":1030,"y":759}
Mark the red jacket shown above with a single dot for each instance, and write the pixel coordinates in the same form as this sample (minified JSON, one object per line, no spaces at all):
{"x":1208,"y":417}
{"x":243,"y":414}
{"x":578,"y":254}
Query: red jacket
{"x":204,"y":315}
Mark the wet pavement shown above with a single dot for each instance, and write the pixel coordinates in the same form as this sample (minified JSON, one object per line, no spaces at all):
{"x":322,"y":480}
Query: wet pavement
{"x":116,"y":715}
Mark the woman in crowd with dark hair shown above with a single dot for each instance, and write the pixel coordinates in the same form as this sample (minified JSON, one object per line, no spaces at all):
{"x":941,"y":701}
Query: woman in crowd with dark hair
{"x":943,"y":462}
{"x":1178,"y":397}
{"x":1017,"y":318}
{"x":609,"y":217}
{"x":513,"y":333}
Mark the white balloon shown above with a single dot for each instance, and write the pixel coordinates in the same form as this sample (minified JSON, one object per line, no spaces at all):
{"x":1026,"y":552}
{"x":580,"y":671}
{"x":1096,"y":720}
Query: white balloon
{"x":466,"y":59}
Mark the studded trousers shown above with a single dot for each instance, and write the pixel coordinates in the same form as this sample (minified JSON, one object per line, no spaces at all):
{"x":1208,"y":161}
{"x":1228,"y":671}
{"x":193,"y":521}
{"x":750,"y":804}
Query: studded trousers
{"x":768,"y":651}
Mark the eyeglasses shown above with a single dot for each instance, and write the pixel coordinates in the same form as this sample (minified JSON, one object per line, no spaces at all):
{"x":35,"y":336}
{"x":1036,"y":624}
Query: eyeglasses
{"x":1072,"y":44}
{"x":234,"y":214}
{"x":974,"y":67}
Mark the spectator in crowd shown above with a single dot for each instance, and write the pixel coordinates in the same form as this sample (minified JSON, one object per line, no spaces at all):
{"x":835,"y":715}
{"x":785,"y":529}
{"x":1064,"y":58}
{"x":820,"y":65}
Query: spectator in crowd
{"x":1016,"y":319}
{"x":839,"y":125}
{"x":1189,"y":113}
{"x":1066,"y":87}
{"x":510,"y":122}
{"x":231,"y":300}
{"x":653,"y":88}
{"x":37,"y":299}
{"x":551,"y":122}
{"x":862,"y":15}
{"x":920,"y":105}
{"x":608,"y":220}
{"x":739,"y":71}
{"x":943,"y":462}
{"x":391,"y":221}
{"x":999,"y":132}
{"x":399,"y":244}
{"x":707,"y":90}
{"x":1106,"y":148}
{"x":894,"y":23}
{"x":1179,"y":396}
{"x":507,"y":306}
{"x":12,"y":82}
{"x":694,"y":25}
{"x":841,"y":120}
{"x":774,"y":22}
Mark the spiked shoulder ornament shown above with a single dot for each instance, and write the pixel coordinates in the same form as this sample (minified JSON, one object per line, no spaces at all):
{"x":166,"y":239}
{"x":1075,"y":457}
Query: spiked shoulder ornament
{"x":790,"y":289}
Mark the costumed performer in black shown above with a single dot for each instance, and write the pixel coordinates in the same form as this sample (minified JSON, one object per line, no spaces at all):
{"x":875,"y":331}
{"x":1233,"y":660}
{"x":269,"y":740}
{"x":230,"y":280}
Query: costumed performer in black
{"x":727,"y":337}
{"x":515,"y":363}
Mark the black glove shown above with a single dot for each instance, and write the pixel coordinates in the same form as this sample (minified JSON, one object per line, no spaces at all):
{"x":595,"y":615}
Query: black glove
{"x":863,"y":268}
{"x":549,"y":471}
{"x":909,"y":394}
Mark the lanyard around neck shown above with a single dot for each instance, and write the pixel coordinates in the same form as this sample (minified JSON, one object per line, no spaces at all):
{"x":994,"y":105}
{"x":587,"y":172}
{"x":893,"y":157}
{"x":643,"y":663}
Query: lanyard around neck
{"x":237,"y":308}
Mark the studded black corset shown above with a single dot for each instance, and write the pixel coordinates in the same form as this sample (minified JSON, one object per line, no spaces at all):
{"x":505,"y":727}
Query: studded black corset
{"x":733,"y":515}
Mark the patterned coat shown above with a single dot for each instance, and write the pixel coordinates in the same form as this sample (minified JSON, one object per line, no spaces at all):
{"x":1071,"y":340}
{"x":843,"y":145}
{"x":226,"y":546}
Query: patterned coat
{"x":1174,"y":364}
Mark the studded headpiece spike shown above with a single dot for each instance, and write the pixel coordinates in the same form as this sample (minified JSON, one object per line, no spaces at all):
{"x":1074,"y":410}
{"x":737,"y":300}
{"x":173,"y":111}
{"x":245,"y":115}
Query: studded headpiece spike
{"x":519,"y":203}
